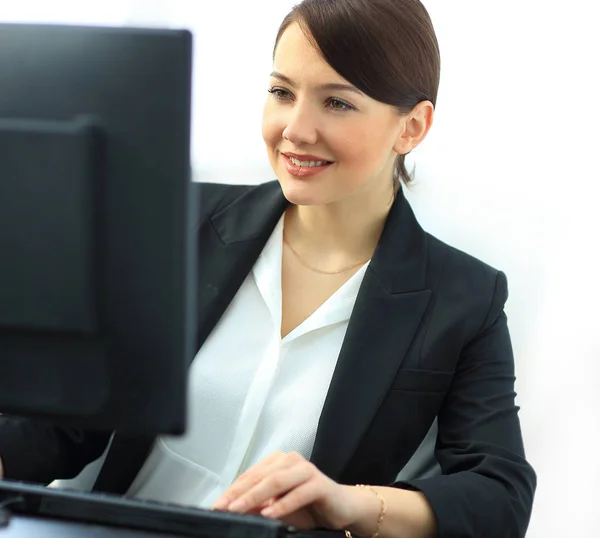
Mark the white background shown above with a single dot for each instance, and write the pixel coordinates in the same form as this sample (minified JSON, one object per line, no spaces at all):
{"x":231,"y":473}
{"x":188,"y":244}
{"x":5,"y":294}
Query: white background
{"x":509,"y":173}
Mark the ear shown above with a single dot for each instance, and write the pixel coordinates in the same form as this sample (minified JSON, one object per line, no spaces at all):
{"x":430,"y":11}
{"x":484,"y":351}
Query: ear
{"x":416,"y":126}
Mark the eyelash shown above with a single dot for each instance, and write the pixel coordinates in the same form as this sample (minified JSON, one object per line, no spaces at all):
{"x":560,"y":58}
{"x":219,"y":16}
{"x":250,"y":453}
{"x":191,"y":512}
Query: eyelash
{"x":347,"y":106}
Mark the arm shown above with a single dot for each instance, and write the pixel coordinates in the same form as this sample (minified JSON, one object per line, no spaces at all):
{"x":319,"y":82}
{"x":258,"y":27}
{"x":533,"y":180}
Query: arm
{"x":408,"y":514}
{"x":32,"y":451}
{"x":287,"y":487}
{"x":486,"y":487}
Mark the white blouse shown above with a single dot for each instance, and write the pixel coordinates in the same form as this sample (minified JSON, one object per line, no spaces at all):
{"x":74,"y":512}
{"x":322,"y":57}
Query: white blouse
{"x":251,"y":393}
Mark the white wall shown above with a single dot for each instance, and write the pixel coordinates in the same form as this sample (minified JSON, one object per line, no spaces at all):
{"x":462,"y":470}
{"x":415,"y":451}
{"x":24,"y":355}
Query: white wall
{"x":509,"y":173}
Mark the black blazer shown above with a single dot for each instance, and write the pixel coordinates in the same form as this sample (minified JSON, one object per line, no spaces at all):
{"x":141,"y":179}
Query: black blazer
{"x":427,"y":338}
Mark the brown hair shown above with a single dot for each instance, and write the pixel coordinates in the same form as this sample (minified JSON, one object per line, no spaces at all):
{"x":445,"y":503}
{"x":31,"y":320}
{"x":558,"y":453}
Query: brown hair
{"x":386,"y":48}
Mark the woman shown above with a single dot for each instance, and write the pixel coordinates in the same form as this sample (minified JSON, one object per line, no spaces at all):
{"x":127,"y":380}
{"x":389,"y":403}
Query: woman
{"x":334,"y":331}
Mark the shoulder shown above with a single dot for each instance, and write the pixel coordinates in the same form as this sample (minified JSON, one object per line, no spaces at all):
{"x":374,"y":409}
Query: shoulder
{"x":462,"y":282}
{"x":212,"y":198}
{"x":462,"y":268}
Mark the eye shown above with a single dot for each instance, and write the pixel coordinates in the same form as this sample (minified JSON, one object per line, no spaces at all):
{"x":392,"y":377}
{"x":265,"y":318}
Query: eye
{"x":279,"y":93}
{"x":338,"y":104}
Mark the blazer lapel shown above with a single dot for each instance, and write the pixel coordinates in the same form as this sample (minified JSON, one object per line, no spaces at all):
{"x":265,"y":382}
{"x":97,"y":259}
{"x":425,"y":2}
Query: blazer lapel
{"x":387,"y":313}
{"x":230,"y":243}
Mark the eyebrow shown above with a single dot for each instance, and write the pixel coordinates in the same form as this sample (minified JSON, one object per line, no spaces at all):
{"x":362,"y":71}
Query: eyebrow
{"x":332,"y":86}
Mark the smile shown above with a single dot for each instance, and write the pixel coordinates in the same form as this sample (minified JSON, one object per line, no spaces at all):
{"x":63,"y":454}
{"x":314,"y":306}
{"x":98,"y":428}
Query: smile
{"x":308,"y":164}
{"x":304,"y":169}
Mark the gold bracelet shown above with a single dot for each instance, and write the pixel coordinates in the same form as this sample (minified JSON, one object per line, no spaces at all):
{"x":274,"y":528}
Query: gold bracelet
{"x":381,"y":512}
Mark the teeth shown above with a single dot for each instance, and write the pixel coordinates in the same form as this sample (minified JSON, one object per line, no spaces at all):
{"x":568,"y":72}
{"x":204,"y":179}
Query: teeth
{"x":307,"y":164}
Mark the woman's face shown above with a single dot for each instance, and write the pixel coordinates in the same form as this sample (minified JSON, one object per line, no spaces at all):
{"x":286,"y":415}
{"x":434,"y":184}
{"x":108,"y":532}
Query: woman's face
{"x":325,"y":139}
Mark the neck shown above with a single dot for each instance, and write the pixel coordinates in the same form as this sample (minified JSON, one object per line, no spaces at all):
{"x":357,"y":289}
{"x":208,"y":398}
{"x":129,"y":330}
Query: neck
{"x":345,"y":231}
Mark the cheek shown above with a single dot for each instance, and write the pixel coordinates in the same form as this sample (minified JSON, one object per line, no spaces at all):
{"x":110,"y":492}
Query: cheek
{"x":359,"y":146}
{"x":272,"y":129}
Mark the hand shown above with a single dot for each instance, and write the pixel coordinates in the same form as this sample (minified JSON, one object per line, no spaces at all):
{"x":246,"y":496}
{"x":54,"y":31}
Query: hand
{"x":287,"y":487}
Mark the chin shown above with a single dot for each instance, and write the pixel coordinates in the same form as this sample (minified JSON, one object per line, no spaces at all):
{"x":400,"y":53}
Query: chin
{"x":302,"y":192}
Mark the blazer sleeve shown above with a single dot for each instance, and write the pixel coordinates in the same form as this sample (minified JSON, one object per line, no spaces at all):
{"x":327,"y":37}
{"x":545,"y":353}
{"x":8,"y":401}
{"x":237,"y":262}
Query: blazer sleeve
{"x":486,"y":487}
{"x":37,"y":452}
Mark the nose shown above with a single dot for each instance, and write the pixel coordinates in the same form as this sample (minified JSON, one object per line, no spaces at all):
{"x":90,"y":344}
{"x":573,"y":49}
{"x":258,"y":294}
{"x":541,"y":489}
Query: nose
{"x":301,"y":128}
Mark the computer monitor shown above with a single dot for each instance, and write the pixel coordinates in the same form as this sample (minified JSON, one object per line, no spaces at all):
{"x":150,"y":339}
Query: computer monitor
{"x":96,"y":248}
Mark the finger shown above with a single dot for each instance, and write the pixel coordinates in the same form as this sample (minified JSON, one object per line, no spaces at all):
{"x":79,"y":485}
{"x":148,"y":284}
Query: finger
{"x":248,"y":479}
{"x":296,"y":499}
{"x":253,"y":476}
{"x":256,"y":511}
{"x":269,"y":460}
{"x":273,"y":486}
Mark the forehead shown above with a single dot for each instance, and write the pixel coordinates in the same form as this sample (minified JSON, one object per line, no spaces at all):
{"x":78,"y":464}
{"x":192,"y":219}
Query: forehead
{"x":298,"y":59}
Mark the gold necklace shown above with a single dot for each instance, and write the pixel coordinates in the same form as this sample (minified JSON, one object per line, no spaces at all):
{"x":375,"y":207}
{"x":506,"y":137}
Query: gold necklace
{"x":320,"y":271}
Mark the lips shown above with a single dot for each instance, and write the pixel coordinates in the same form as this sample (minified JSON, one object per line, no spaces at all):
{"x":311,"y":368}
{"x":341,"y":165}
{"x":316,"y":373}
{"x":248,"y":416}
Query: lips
{"x":300,"y":171}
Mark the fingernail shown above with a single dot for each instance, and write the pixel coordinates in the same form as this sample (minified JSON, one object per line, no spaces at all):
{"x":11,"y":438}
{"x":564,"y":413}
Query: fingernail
{"x":268,"y":512}
{"x":220,"y":504}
